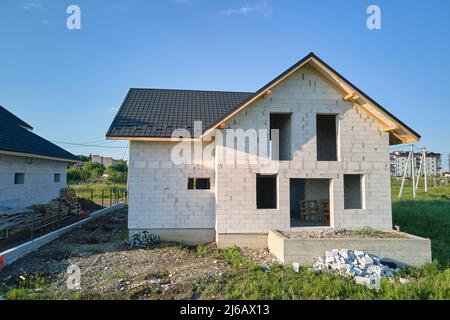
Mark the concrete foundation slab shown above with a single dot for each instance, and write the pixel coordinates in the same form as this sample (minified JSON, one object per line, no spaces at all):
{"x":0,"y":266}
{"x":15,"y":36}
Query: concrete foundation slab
{"x":252,"y":241}
{"x":410,"y":250}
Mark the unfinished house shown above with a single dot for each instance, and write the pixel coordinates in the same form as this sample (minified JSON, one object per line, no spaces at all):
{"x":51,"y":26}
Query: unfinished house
{"x":32,"y":169}
{"x":321,"y":161}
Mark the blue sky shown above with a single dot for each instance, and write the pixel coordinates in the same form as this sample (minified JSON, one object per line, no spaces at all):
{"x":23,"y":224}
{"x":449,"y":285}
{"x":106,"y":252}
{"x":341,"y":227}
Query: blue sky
{"x":68,"y":84}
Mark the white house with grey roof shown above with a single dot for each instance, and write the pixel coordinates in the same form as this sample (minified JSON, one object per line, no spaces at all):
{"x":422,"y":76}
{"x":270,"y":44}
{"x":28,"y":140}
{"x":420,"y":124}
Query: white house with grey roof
{"x":321,"y":158}
{"x":32,"y":169}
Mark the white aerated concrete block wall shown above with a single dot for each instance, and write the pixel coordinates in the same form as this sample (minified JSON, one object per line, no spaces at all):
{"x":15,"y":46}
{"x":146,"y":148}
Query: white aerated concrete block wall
{"x":39,"y":186}
{"x":363,"y":148}
{"x":158,"y":190}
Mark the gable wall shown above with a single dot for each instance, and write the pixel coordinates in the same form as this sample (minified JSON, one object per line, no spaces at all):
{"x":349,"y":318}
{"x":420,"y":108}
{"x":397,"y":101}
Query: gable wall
{"x":363,"y":148}
{"x":39,"y":186}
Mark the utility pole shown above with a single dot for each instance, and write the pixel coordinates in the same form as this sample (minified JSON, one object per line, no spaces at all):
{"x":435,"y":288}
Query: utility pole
{"x":425,"y":170}
{"x":416,"y":186}
{"x":405,"y":171}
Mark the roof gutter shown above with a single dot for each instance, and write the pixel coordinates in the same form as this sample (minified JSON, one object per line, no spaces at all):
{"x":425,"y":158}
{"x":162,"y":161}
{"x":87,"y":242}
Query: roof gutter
{"x":37,"y":156}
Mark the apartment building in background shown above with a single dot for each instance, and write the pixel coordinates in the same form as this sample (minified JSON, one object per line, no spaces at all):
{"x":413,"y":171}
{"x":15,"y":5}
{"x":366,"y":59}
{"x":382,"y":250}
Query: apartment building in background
{"x":449,"y":162}
{"x":105,"y":161}
{"x":399,"y":160}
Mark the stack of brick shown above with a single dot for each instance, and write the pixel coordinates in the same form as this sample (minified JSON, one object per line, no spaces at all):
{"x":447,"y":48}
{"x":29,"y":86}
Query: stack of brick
{"x":359,"y":265}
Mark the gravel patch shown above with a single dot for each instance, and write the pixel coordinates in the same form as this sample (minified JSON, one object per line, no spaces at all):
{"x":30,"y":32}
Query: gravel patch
{"x":261,"y":257}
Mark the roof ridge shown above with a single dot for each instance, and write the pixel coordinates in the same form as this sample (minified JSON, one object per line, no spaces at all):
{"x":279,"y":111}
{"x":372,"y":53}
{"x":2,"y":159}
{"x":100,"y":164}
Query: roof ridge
{"x":194,"y":90}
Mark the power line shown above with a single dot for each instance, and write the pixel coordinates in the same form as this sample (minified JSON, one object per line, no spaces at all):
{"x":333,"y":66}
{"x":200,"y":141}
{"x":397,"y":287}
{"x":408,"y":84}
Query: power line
{"x":73,"y":144}
{"x":402,"y":146}
{"x":91,"y":142}
{"x":407,"y":146}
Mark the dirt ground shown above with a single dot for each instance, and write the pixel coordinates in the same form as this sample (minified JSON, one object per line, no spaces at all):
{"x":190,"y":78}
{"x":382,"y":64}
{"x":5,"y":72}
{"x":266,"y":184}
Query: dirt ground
{"x":109,"y":270}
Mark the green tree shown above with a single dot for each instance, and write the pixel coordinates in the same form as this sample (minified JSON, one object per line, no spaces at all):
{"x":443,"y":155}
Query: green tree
{"x":92,"y":170}
{"x":117,"y":177}
{"x":74,"y":175}
{"x":84,"y":158}
{"x":119,"y":166}
{"x":117,"y":173}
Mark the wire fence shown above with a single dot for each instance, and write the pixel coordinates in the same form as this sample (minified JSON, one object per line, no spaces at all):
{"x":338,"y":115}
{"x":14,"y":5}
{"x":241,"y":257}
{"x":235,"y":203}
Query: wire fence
{"x":104,"y":196}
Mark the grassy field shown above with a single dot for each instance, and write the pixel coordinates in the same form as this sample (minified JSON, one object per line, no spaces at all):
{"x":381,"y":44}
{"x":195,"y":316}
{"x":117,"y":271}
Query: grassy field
{"x":247,"y":280}
{"x":428,"y":215}
{"x":98,"y":191}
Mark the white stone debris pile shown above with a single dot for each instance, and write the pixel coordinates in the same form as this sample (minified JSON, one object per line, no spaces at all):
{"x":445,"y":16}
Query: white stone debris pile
{"x":142,"y":240}
{"x":359,"y":265}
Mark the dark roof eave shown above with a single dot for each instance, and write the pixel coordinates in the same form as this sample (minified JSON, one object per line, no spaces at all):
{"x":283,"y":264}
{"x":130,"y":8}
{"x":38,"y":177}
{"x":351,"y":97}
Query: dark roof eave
{"x":39,"y":156}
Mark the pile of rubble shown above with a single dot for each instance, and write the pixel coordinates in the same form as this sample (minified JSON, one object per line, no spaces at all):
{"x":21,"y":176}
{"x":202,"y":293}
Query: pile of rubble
{"x":142,"y":240}
{"x":363,"y":267}
{"x":157,"y":285}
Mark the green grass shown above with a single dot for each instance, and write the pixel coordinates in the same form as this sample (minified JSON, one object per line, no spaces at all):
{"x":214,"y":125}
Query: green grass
{"x":246,"y":280}
{"x":427,"y":216}
{"x":86,"y":190}
{"x":37,"y":288}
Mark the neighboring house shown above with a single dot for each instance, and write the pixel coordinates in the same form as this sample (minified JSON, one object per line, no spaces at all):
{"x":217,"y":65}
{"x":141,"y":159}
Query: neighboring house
{"x":399,"y":160}
{"x":326,"y":164}
{"x":105,"y":161}
{"x":32,"y":169}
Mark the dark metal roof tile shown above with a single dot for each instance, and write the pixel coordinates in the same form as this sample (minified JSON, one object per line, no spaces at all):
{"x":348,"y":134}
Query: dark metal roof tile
{"x":16,"y":139}
{"x":161,"y":111}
